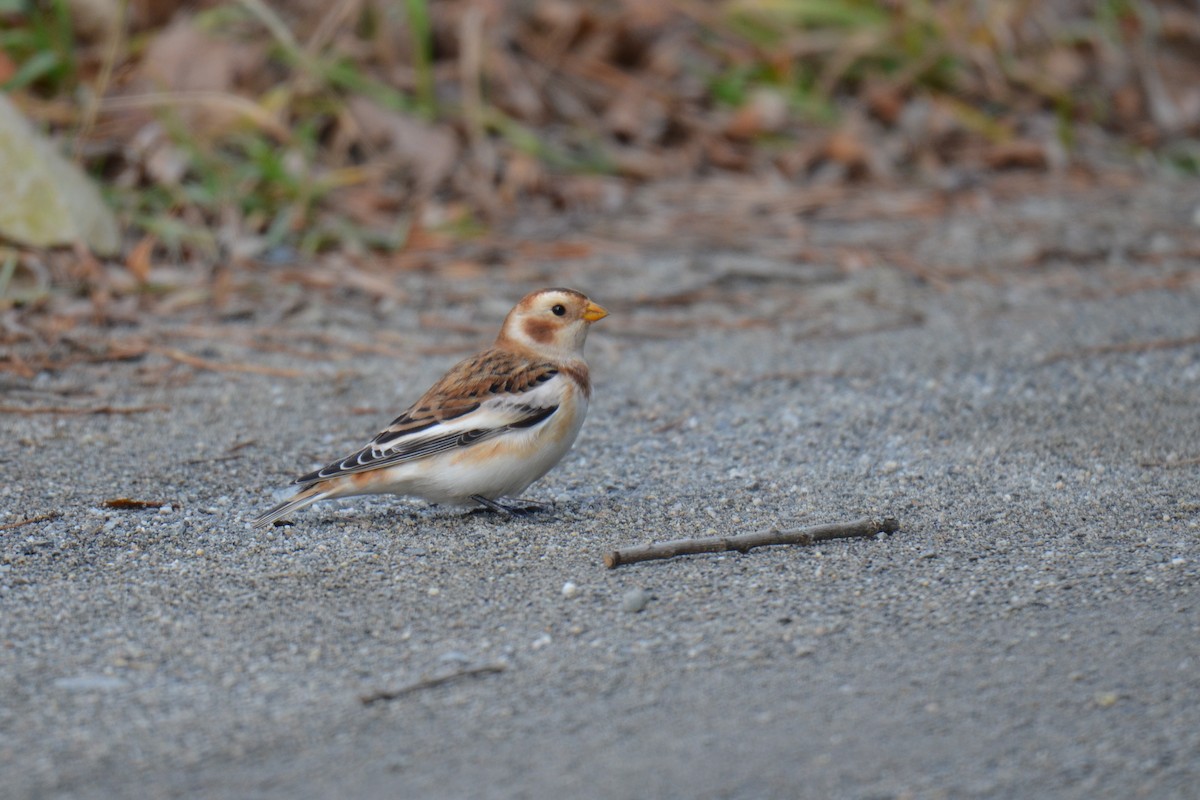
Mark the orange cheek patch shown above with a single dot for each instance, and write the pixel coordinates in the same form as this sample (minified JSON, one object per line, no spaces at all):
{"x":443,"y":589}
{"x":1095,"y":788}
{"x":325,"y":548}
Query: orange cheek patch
{"x":541,"y":331}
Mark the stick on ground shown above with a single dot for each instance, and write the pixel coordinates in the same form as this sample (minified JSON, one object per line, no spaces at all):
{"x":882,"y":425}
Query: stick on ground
{"x":175,"y":354}
{"x":1123,"y":347}
{"x":6,"y":409}
{"x":867,"y":526}
{"x":31,"y":520}
{"x":429,"y":683}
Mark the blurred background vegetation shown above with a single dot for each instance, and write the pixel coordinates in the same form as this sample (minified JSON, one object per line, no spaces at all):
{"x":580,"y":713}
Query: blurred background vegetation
{"x":248,"y":132}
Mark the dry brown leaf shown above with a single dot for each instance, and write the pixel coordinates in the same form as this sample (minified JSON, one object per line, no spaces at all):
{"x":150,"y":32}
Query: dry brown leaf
{"x":165,"y":163}
{"x":371,"y":284}
{"x":726,"y":154}
{"x":95,"y":20}
{"x":184,"y":59}
{"x":765,"y":111}
{"x":7,"y":67}
{"x":557,"y":18}
{"x":1065,"y":68}
{"x":149,"y":13}
{"x":589,"y":192}
{"x":422,"y":239}
{"x":138,"y":260}
{"x":129,"y":504}
{"x":635,"y":116}
{"x":523,"y":174}
{"x":462,"y":269}
{"x":430,"y":151}
{"x":560,"y":250}
{"x":885,"y":101}
{"x":846,"y":147}
{"x":370,"y":204}
{"x":1019,"y":153}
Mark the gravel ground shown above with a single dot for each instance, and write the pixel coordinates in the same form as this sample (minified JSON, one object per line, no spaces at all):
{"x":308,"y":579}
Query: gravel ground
{"x":1032,"y":630}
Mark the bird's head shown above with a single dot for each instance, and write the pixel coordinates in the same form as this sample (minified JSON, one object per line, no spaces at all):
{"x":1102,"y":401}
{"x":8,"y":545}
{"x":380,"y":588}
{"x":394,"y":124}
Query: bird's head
{"x":551,"y":322}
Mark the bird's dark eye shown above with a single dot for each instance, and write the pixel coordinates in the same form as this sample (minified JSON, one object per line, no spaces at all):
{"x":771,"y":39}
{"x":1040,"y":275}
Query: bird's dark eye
{"x":559,"y":309}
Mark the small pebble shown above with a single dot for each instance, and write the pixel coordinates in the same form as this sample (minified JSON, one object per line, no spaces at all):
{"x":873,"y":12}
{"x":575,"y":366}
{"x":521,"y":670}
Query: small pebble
{"x":635,"y":600}
{"x":570,"y":590}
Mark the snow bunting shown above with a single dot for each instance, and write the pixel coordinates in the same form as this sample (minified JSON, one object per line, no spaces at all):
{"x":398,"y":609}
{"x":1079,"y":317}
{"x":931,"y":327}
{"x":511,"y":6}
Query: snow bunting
{"x":492,"y":425}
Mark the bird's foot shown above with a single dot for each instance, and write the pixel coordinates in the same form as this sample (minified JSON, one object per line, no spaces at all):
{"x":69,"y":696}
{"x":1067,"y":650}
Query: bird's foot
{"x":519,"y":507}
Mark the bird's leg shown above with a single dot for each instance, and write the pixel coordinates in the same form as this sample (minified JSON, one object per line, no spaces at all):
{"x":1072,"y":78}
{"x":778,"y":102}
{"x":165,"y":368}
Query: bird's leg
{"x":492,"y":505}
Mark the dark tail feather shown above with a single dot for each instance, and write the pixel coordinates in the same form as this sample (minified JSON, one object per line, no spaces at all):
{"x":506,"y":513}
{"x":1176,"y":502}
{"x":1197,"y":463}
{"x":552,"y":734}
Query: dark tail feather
{"x":306,"y":497}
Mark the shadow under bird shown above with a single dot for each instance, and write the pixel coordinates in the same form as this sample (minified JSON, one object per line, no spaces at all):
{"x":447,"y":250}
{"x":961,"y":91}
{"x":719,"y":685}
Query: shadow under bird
{"x":493,"y":425}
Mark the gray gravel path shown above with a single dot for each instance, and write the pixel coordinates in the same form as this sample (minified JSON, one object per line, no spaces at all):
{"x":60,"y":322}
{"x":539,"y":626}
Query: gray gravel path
{"x":1032,"y":631}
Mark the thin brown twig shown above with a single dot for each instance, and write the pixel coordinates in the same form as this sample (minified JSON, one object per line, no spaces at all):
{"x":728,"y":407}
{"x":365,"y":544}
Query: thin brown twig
{"x":430,"y":683}
{"x":1182,"y":462}
{"x":470,"y":34}
{"x":670,"y":425}
{"x":247,"y":108}
{"x":440,"y":323}
{"x":911,"y":266}
{"x":18,"y":367}
{"x":121,"y":351}
{"x":39,"y":518}
{"x":334,"y":19}
{"x":260,"y":339}
{"x":279,"y":347}
{"x":214,"y":459}
{"x":114,"y":38}
{"x":1172,"y":282}
{"x":1123,"y":347}
{"x":190,"y":360}
{"x":81,"y":411}
{"x":794,"y":376}
{"x":231,"y":453}
{"x":867,"y":526}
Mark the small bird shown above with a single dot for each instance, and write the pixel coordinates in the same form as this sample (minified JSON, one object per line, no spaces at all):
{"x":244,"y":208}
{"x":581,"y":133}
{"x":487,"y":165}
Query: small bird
{"x":491,"y":426}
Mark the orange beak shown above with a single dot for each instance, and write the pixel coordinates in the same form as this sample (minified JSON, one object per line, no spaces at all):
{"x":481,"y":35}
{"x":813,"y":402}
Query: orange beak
{"x":594,"y":312}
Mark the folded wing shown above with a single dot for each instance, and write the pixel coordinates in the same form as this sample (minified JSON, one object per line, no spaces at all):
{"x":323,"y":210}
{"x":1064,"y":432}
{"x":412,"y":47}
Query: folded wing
{"x":481,"y":398}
